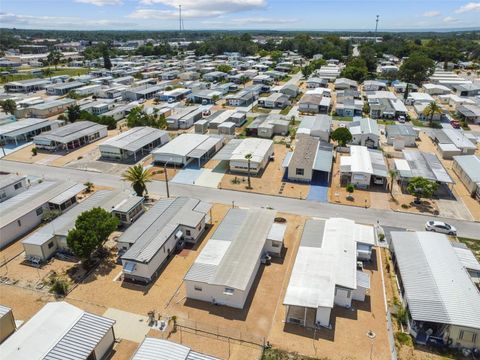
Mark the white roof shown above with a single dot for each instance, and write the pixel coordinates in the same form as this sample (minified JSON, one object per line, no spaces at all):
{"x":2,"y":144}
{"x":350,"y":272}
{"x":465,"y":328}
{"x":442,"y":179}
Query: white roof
{"x":437,"y":286}
{"x":182,"y":144}
{"x":257,"y":147}
{"x":135,"y":138}
{"x":327,"y":257}
{"x":158,"y":349}
{"x":58,"y":331}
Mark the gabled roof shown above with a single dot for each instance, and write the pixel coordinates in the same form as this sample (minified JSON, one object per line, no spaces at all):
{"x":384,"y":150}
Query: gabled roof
{"x":437,"y":286}
{"x":158,"y":349}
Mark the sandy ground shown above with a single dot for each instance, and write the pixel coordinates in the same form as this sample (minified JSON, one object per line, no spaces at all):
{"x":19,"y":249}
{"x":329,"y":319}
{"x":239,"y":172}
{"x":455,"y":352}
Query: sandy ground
{"x":270,"y":181}
{"x":158,"y":171}
{"x":348,"y":338}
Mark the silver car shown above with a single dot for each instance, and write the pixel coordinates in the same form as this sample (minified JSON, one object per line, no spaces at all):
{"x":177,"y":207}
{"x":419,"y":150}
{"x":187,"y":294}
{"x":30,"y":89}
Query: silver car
{"x":440,"y":227}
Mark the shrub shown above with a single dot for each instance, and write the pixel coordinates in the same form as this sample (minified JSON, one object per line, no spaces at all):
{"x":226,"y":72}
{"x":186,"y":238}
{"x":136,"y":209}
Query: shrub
{"x":403,"y":338}
{"x":350,"y":188}
{"x":59,"y":287}
{"x":405,"y":206}
{"x":34,"y":151}
{"x":381,"y":237}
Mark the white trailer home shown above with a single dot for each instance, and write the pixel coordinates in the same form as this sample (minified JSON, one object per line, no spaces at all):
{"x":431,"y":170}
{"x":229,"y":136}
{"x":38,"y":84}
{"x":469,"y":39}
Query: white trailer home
{"x":158,"y":349}
{"x":149,"y":242}
{"x":61,"y":331}
{"x":364,"y":167}
{"x":225,"y":270}
{"x":11,"y":185}
{"x":23,"y":212}
{"x":45,"y":242}
{"x":437,"y":288}
{"x":260,"y":150}
{"x":325,"y":271}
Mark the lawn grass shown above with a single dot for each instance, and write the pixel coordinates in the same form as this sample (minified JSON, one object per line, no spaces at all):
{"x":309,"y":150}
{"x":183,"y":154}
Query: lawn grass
{"x":472,"y":244}
{"x":277,"y":354}
{"x":60,"y":71}
{"x":286,"y":110}
{"x":258,"y":109}
{"x":403,"y":338}
{"x":385,"y":122}
{"x":342,"y":118}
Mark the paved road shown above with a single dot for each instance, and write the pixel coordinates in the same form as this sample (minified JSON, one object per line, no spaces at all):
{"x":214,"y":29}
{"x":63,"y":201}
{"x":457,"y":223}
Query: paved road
{"x":289,"y":205}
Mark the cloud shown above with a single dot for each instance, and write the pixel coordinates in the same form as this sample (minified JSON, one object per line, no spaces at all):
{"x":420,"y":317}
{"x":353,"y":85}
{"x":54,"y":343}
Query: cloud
{"x":101,"y":2}
{"x":470,"y":7}
{"x":198,"y":8}
{"x":59,"y":22}
{"x":450,"y":20}
{"x":252,"y":21}
{"x":431,"y":13}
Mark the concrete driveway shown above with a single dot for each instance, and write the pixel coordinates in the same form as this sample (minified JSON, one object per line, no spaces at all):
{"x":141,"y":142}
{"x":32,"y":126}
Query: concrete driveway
{"x":128,"y":326}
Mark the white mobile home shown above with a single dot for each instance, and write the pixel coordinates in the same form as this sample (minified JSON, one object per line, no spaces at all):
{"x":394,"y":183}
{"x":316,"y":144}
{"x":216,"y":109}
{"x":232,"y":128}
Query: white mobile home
{"x":159,"y":349}
{"x":225,"y":270}
{"x":443,"y":303}
{"x":186,"y":148}
{"x":60,"y":331}
{"x":7,"y":323}
{"x":260,"y":150}
{"x":45,"y":242}
{"x":467,"y":168}
{"x":156,"y":236}
{"x":363,"y":167}
{"x":364,"y":132}
{"x":26,"y":129}
{"x":71,"y":136}
{"x":11,"y":185}
{"x":133,"y":144}
{"x":325,"y":271}
{"x":23,"y":212}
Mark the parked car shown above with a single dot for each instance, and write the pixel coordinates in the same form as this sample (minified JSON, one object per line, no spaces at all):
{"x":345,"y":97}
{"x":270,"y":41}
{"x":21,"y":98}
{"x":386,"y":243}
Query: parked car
{"x":440,"y":227}
{"x":455,"y":124}
{"x":401,"y":119}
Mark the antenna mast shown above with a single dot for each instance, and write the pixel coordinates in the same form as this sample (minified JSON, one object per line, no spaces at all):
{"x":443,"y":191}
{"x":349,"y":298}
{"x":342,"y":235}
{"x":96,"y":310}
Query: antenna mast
{"x":180,"y":16}
{"x":376,"y":27}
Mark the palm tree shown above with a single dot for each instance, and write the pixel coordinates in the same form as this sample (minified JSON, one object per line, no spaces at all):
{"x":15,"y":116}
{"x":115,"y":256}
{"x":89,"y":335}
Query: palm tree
{"x":138,"y":177}
{"x":393,"y":175}
{"x":248,"y":157}
{"x":431,"y":110}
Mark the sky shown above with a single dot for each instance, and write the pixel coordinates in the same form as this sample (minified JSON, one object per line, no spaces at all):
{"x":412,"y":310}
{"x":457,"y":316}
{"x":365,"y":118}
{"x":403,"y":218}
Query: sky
{"x":239,"y":14}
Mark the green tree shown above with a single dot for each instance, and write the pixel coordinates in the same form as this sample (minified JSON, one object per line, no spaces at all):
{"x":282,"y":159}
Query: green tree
{"x":431,"y":110}
{"x":369,"y":55}
{"x":138,"y":177}
{"x":107,"y":63}
{"x":224,"y":68}
{"x":92,"y":229}
{"x":54,"y":57}
{"x":407,"y":90}
{"x":73,"y":113}
{"x":393,"y":175}
{"x":276,"y":55}
{"x":47,"y":72}
{"x":416,"y":69}
{"x":342,"y":135}
{"x":248,"y":157}
{"x":8,"y":106}
{"x":215,"y":98}
{"x":356,"y":69}
{"x":421,"y":188}
{"x":137,"y":117}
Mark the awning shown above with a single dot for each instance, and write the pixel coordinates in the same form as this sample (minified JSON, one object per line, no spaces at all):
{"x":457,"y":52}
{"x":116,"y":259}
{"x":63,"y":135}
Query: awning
{"x":287,"y":159}
{"x":67,"y":194}
{"x":179,"y":234}
{"x":227,"y":151}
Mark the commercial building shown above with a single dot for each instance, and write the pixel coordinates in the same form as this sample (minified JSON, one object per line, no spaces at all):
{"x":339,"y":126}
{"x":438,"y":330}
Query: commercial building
{"x":467,"y":168}
{"x":437,"y":290}
{"x":310,"y":159}
{"x":225,"y":270}
{"x":61,"y":331}
{"x":187,"y":148}
{"x":71,"y":136}
{"x":325,"y":271}
{"x":26,"y":129}
{"x":133,"y":144}
{"x":23,"y":212}
{"x":45,"y":242}
{"x":363,"y":167}
{"x":157,"y":235}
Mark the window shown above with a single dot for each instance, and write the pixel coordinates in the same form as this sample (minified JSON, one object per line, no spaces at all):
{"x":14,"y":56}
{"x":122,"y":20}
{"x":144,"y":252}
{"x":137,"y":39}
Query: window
{"x":3,"y":195}
{"x":50,"y":244}
{"x":39,"y":211}
{"x":228,"y":291}
{"x":299,"y":172}
{"x":19,"y":223}
{"x":188,"y":232}
{"x":275,"y":244}
{"x":197,"y":288}
{"x":17,"y":186}
{"x":468,"y":336}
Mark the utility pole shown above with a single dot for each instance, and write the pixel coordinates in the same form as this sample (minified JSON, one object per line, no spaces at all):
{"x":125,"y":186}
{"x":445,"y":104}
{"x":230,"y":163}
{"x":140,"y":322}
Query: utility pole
{"x":166,"y":178}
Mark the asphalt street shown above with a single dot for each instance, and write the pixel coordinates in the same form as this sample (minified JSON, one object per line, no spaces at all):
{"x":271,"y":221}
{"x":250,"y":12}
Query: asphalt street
{"x":243,"y":199}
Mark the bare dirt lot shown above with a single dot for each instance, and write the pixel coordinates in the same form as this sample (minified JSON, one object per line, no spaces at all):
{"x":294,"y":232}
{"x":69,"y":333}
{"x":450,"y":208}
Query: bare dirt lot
{"x":270,"y":181}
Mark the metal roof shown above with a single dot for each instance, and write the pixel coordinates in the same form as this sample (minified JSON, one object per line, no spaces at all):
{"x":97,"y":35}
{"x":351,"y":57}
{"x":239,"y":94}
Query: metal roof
{"x":327,"y":257}
{"x":470,"y":164}
{"x":258,"y":148}
{"x":400,"y":130}
{"x":364,"y":160}
{"x":34,"y":197}
{"x":437,"y":286}
{"x":10,"y":179}
{"x":128,"y":204}
{"x":59,"y":331}
{"x":324,"y":157}
{"x":182,"y":145}
{"x":24,"y":126}
{"x":305,"y":152}
{"x":70,"y":132}
{"x":230,"y":256}
{"x":134,"y":139}
{"x":425,"y":165}
{"x":466,"y":257}
{"x":315,"y":123}
{"x":67,"y":194}
{"x":158,"y":349}
{"x":226,"y":152}
{"x":156,"y":226}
